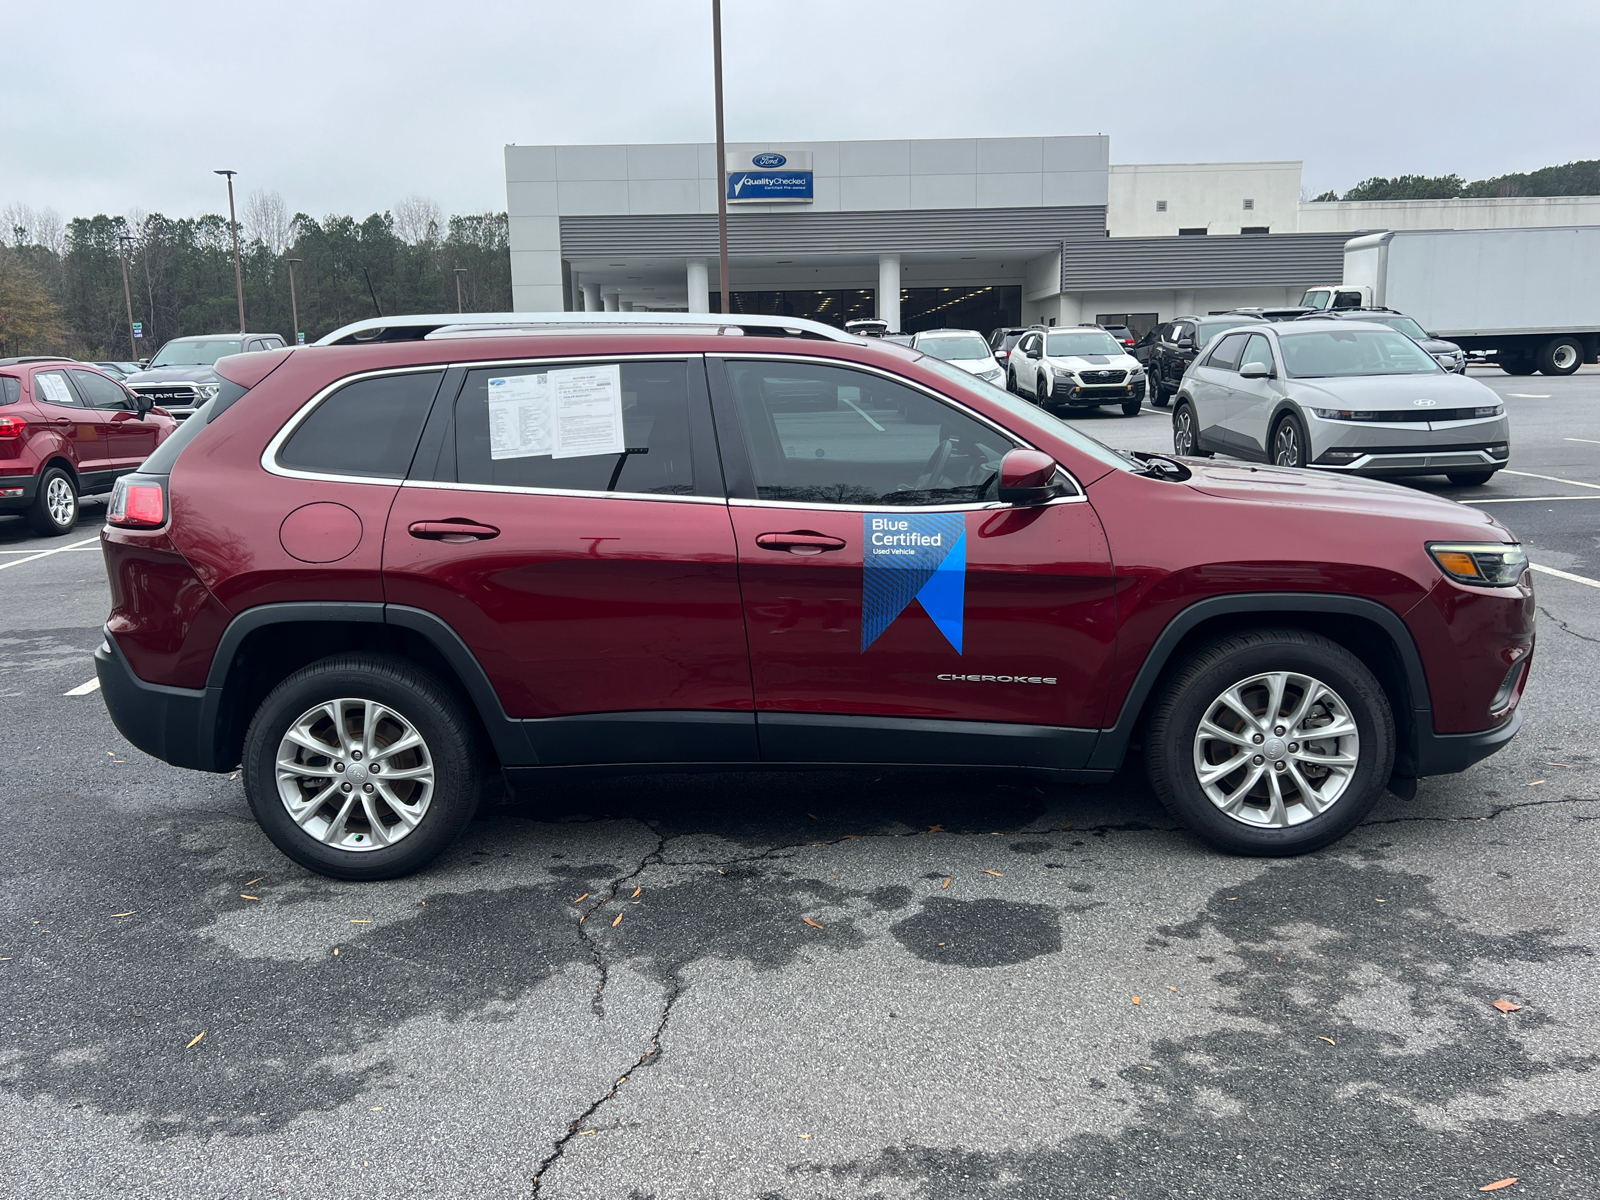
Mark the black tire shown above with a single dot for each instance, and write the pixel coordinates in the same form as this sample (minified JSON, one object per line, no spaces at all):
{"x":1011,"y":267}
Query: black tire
{"x":1158,"y":394}
{"x":1189,"y":436}
{"x":1289,"y":444}
{"x":1042,"y":389}
{"x":1131,"y":406}
{"x":1011,"y":382}
{"x":1518,"y":364}
{"x":54,"y":510}
{"x":450,"y":740}
{"x":1559,"y":356}
{"x":1470,"y":478}
{"x":1170,"y":743}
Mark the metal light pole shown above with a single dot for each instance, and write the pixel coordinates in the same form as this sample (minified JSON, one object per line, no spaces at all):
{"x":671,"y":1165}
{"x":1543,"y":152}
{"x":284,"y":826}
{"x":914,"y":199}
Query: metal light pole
{"x":127,"y":293}
{"x":460,"y":271}
{"x":233,"y":222}
{"x":722,"y":160}
{"x":294,"y":308}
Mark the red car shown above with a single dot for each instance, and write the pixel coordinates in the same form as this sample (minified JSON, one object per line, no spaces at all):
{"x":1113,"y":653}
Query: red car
{"x":68,"y":429}
{"x":370,"y":572}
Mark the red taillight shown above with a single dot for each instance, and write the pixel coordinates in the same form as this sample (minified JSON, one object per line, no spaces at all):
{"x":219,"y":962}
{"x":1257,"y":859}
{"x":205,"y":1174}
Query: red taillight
{"x":138,"y":505}
{"x":12,"y":427}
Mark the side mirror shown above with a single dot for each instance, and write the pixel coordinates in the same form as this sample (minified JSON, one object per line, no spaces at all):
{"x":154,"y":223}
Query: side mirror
{"x":1255,"y":370}
{"x":1185,"y":343}
{"x":142,"y":404}
{"x":1028,"y":477}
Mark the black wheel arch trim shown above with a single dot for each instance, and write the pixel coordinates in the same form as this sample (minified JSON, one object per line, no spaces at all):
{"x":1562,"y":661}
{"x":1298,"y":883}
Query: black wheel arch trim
{"x":1113,"y":743}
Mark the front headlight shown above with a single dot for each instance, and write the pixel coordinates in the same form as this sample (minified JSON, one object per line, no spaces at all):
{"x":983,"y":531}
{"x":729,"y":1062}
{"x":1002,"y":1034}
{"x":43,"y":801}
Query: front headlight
{"x":991,"y":375}
{"x":1136,"y":373}
{"x":206,"y":391}
{"x":1346,"y":414}
{"x":1486,"y":564}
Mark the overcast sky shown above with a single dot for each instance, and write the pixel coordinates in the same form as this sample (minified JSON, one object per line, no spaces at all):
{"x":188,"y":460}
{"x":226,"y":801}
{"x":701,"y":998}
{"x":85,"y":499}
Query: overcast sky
{"x":348,"y":107}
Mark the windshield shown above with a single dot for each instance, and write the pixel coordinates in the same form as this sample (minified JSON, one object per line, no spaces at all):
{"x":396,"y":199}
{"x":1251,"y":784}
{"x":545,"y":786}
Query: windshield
{"x":1204,"y":332}
{"x":1025,"y":416}
{"x":1406,"y":326}
{"x":951,"y":346}
{"x":1316,"y":298}
{"x":202,"y":352}
{"x":1077,"y":345}
{"x":1339,"y":353}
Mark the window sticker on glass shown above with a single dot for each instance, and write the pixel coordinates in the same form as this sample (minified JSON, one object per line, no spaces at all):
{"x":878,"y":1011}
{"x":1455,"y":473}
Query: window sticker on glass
{"x":588,"y":411}
{"x":519,"y":416}
{"x":54,"y":388}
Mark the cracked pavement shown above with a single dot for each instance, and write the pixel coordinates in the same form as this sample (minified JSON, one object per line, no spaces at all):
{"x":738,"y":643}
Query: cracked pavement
{"x":807,"y":985}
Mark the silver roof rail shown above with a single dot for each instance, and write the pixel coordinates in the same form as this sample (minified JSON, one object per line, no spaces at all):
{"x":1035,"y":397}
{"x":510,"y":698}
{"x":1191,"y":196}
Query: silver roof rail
{"x":414,"y":327}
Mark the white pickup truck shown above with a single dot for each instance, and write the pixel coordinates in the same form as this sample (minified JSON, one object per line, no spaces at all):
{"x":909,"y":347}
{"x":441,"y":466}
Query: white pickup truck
{"x":1528,"y":296}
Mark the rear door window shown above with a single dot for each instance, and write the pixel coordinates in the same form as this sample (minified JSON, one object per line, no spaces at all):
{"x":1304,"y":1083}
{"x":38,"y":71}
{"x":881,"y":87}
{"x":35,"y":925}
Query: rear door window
{"x":621,"y":427}
{"x":367,"y":428}
{"x":830,"y":435}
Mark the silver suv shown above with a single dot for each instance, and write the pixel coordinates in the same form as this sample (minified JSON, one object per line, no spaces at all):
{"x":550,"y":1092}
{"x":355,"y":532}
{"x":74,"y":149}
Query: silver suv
{"x":1351,"y":396}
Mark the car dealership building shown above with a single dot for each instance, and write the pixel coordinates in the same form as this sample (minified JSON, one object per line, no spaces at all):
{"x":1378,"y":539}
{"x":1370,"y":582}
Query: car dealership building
{"x":967,"y":232}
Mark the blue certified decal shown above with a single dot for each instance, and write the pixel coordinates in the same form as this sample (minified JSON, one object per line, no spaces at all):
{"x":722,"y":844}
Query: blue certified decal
{"x":913,"y":556}
{"x":770,"y":161}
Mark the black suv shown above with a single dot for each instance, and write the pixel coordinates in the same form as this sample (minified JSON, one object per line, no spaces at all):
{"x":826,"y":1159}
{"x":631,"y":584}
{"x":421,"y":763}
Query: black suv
{"x":1172,"y":347}
{"x":1447,"y":354}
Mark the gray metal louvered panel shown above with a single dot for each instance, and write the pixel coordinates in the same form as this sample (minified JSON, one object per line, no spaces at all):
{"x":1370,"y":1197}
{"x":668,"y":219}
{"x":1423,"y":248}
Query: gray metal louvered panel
{"x":1286,"y":259}
{"x":678,"y":235}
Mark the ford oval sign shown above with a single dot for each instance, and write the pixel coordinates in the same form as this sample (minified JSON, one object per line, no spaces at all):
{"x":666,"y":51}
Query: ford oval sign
{"x":768,"y":162}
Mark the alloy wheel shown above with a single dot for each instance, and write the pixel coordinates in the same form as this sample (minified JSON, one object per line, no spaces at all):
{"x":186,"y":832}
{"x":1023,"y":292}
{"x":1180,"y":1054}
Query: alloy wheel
{"x":1286,"y":445}
{"x":1183,"y":431}
{"x":1276,"y":749}
{"x":354,"y":774}
{"x":60,"y":501}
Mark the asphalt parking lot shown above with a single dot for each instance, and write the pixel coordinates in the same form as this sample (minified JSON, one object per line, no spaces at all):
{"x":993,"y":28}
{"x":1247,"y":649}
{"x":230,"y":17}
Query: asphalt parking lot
{"x":923,"y":985}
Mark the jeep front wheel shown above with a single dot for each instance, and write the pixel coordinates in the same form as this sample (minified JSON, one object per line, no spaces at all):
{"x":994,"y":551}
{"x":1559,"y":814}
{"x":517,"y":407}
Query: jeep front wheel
{"x":361,"y":767}
{"x":1271,"y":743}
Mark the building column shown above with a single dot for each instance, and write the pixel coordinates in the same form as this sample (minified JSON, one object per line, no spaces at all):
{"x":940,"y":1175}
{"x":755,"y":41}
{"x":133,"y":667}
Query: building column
{"x":889,"y":290}
{"x":624,"y":305}
{"x":611,"y":303}
{"x":699,"y":286}
{"x":591,"y":298}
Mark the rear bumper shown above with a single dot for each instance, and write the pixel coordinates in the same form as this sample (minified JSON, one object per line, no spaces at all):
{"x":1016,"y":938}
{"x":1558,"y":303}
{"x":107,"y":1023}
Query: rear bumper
{"x":29,"y":485}
{"x":169,"y":723}
{"x":1448,"y":753}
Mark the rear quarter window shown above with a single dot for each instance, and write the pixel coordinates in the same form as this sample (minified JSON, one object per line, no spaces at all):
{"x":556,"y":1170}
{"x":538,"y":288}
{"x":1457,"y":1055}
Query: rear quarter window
{"x":10,"y":389}
{"x":367,"y":428}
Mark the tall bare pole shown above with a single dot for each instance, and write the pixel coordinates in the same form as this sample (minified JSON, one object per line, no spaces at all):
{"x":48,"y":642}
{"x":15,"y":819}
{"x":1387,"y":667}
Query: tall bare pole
{"x":127,"y":293}
{"x":722,"y":161}
{"x":233,"y":222}
{"x":460,"y":271}
{"x":294,"y":308}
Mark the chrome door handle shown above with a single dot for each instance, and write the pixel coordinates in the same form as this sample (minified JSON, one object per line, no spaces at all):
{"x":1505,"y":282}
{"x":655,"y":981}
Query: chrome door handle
{"x":452,"y":531}
{"x":802,"y":541}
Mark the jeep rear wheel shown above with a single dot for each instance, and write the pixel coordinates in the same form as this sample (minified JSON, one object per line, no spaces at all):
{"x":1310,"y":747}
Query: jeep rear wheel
{"x":361,"y":767}
{"x":1271,"y":743}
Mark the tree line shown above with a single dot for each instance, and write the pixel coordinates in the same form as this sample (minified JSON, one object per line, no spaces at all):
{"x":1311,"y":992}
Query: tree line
{"x":61,"y":284}
{"x":1569,"y":179}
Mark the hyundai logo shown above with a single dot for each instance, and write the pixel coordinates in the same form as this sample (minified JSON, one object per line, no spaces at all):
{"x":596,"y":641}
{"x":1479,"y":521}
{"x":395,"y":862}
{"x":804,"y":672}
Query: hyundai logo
{"x":768,"y":161}
{"x":1423,"y":403}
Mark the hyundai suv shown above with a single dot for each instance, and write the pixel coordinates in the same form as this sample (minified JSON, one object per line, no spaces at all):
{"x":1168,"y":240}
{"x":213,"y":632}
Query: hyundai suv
{"x":67,"y":429}
{"x":371,"y":573}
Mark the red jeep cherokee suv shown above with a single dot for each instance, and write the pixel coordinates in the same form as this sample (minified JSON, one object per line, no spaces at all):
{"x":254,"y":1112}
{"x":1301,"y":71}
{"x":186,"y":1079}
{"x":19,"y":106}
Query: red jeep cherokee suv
{"x":67,"y":429}
{"x":368,"y":572}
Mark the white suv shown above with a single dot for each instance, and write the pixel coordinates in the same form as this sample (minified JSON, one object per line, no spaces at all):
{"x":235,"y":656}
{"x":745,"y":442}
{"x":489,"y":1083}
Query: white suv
{"x":1080,"y":367}
{"x":964,"y":348}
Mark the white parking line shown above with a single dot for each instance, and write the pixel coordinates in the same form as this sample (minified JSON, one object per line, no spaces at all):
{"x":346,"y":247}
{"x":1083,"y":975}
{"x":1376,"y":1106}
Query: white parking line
{"x":1591,"y":441}
{"x":1526,"y":499}
{"x":83,"y":689}
{"x":1567,"y":575}
{"x":1554,"y":479}
{"x":17,"y":562}
{"x":1528,"y":395}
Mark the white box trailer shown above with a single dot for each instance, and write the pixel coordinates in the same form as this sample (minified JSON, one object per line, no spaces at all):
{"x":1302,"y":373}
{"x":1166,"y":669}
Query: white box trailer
{"x":1531,"y":297}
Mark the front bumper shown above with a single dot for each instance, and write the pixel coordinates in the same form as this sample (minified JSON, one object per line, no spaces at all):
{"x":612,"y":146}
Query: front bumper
{"x":24,"y":487}
{"x":169,"y":723}
{"x":1076,"y":395}
{"x":1449,"y":753}
{"x":1408,"y":447}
